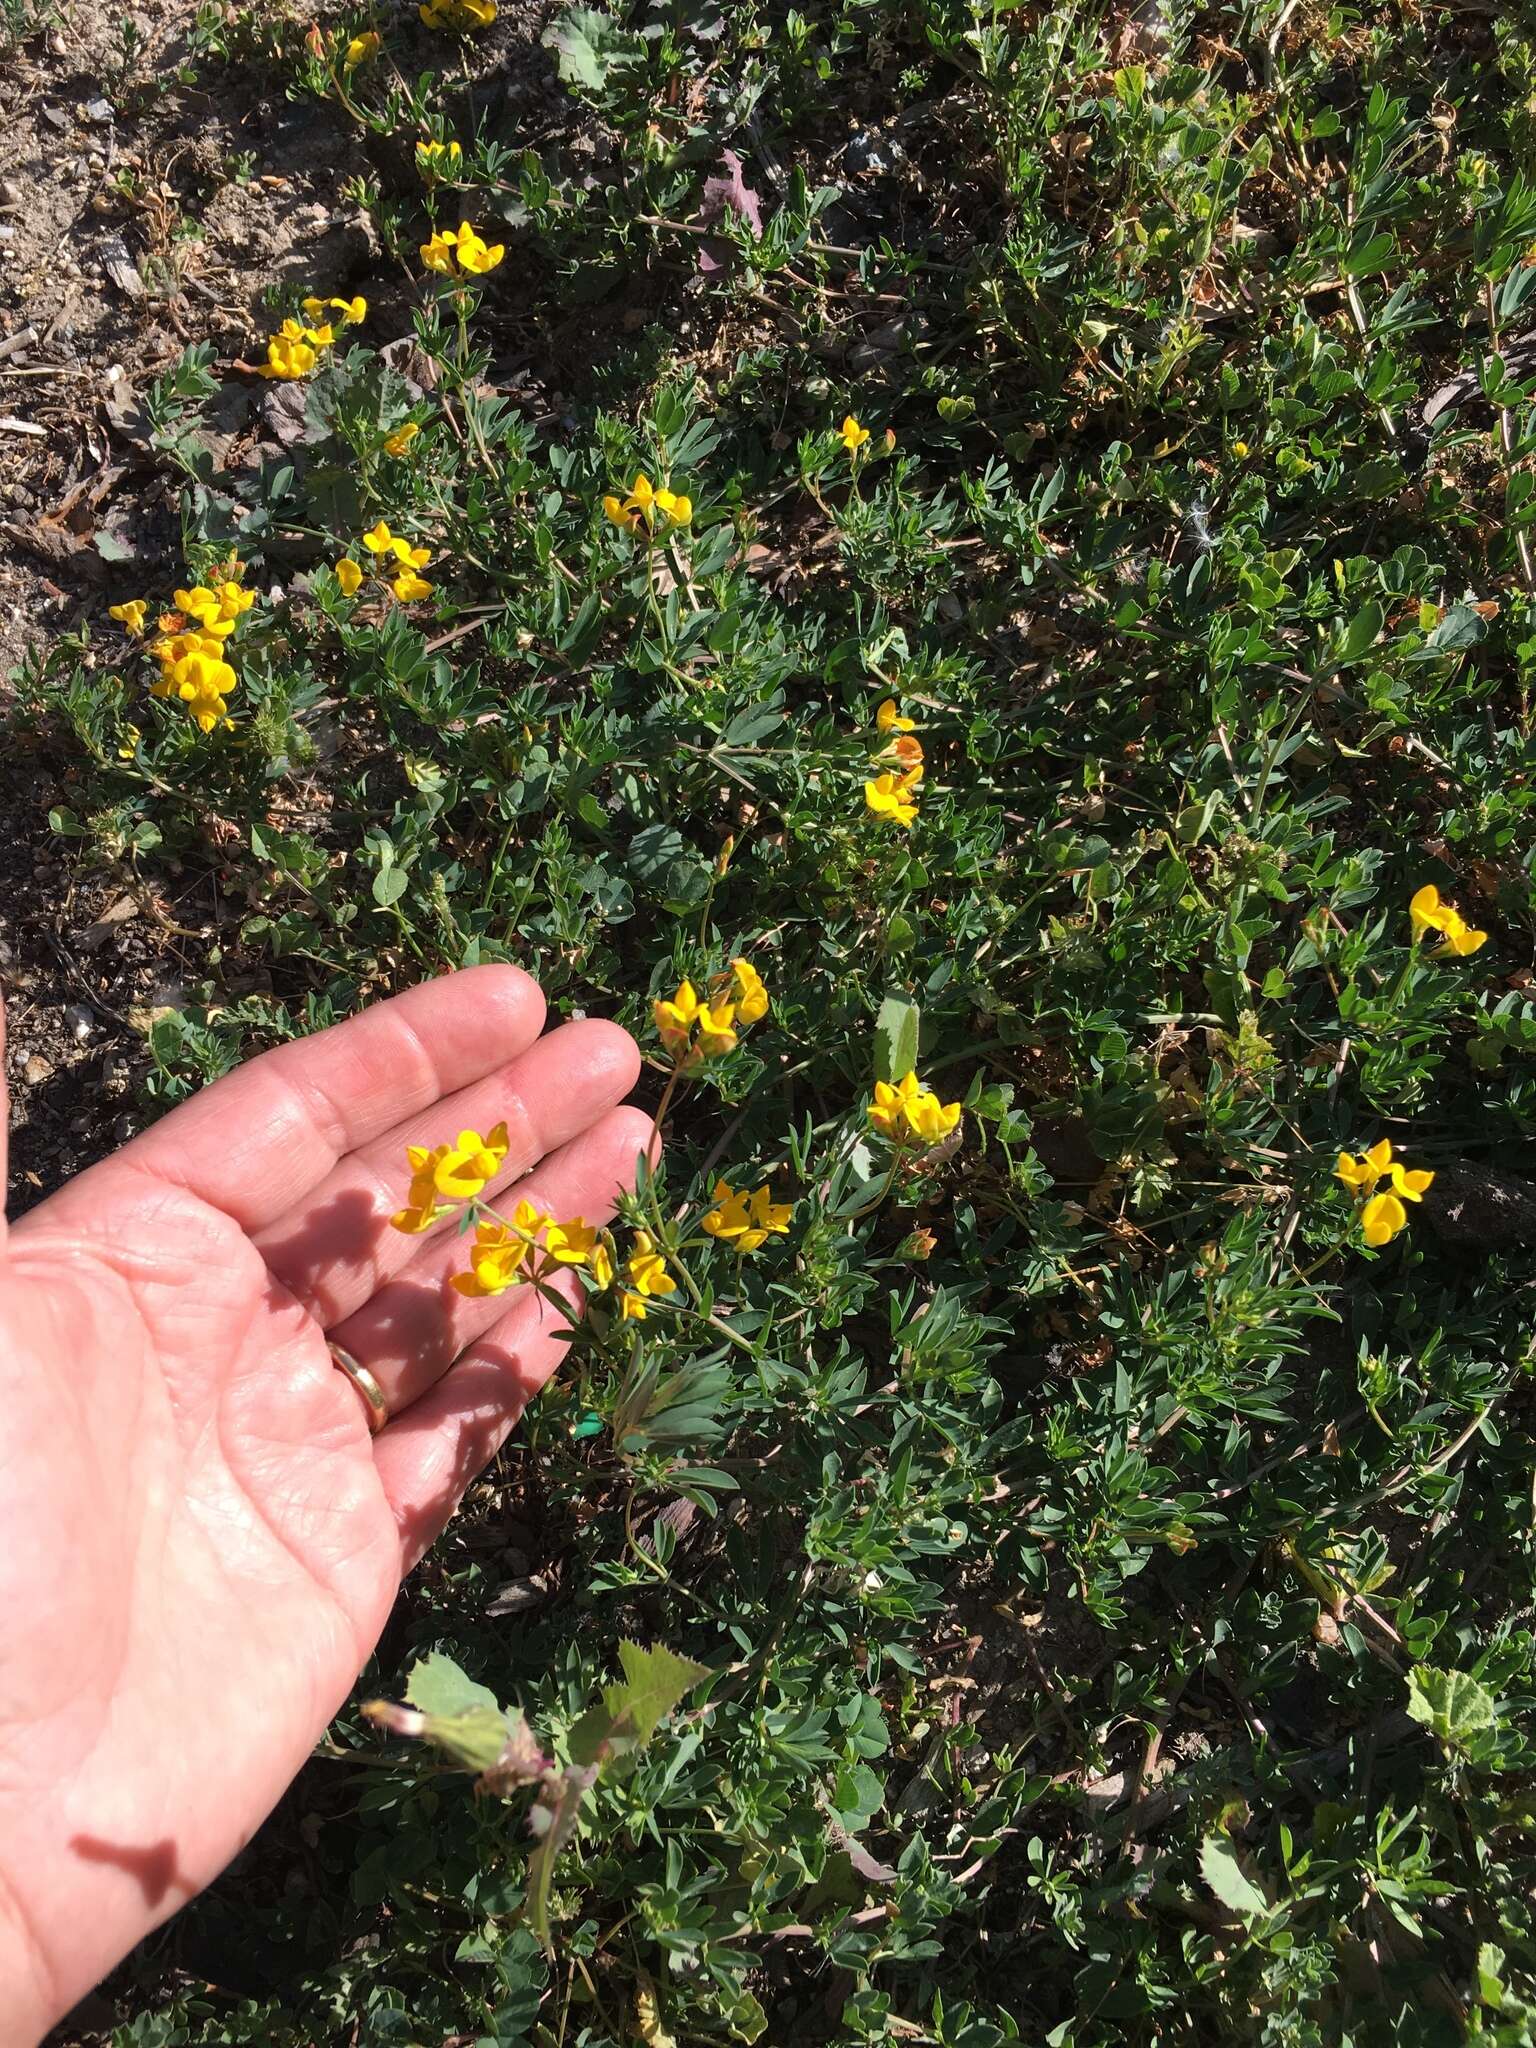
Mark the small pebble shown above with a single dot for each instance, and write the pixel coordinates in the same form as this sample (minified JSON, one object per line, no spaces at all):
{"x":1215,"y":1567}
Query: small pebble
{"x":81,"y":1021}
{"x":37,"y":1069}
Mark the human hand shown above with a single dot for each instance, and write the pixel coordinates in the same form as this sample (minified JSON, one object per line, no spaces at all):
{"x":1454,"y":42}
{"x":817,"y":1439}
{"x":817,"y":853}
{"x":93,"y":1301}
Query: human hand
{"x":199,"y":1538}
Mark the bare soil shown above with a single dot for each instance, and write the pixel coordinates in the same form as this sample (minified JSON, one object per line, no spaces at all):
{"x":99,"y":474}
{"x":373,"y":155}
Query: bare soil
{"x":152,"y":190}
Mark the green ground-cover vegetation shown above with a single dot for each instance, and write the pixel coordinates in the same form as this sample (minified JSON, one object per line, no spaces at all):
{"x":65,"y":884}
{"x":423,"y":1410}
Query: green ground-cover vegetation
{"x":1111,"y":1578}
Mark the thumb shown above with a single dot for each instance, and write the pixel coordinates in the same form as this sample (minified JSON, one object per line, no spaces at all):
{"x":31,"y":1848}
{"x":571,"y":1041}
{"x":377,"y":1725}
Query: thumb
{"x":5,"y":1121}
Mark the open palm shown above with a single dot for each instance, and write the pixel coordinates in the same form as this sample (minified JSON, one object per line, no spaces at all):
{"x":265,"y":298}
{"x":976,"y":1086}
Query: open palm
{"x":199,"y":1539}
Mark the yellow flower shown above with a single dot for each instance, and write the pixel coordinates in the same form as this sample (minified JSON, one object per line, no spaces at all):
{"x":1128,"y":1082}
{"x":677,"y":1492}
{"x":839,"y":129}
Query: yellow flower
{"x":1362,"y":1174}
{"x":679,"y":510}
{"x":852,"y":435}
{"x":351,"y":310}
{"x":889,"y":719}
{"x":349,"y":575}
{"x":128,"y":745}
{"x":432,"y":157}
{"x":461,"y":243}
{"x":632,"y":1306}
{"x":1240,"y":450}
{"x":675,"y":1019}
{"x":401,"y":439}
{"x":600,"y":1265}
{"x":466,"y":1166}
{"x":891,"y":796}
{"x":743,"y":1221}
{"x":1382,"y":1216}
{"x":909,"y":1112}
{"x":380,"y":541}
{"x":751,"y":995}
{"x":647,"y":1270}
{"x":571,"y":1244}
{"x":409,"y":587}
{"x":360,"y":49}
{"x":462,"y":16}
{"x":645,"y":500}
{"x":204,"y":605}
{"x":288,"y":356}
{"x":1427,"y":913}
{"x":422,"y":1208}
{"x":193,"y":671}
{"x":716,"y":1034}
{"x":496,"y":1260}
{"x":130,"y":614}
{"x":474,"y":255}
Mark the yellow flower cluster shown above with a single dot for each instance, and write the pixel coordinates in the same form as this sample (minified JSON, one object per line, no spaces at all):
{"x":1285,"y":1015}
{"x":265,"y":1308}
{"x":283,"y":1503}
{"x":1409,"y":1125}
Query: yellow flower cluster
{"x":1381,"y":1216}
{"x":910,"y":1114}
{"x":639,"y":510}
{"x":388,"y":548}
{"x":693,"y":1029}
{"x":893,"y":793}
{"x":745,"y":1222}
{"x":360,"y":49}
{"x":504,"y":1253}
{"x":459,"y":1171}
{"x":191,"y":645}
{"x":530,"y":1245}
{"x":461,"y":17}
{"x":1428,"y":914}
{"x":438,"y":159}
{"x":463,"y":246}
{"x":295,"y":348}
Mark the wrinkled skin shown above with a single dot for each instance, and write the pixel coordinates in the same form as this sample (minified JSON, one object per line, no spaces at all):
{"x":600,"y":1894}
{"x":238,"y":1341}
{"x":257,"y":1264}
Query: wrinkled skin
{"x":199,"y":1538}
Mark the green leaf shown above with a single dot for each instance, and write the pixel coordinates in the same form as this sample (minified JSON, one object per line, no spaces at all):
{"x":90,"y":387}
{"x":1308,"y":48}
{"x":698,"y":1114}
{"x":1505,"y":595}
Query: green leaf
{"x":896,"y":1036}
{"x":460,"y":1716}
{"x":1362,"y":632}
{"x":653,"y":1683}
{"x":1225,"y":1876}
{"x":1490,"y":1975}
{"x":1452,"y":1705}
{"x":437,"y":1686}
{"x":587,"y":46}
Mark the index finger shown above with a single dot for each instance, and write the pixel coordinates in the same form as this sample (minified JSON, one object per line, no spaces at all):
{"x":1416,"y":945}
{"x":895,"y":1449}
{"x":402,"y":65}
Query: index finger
{"x":261,"y":1138}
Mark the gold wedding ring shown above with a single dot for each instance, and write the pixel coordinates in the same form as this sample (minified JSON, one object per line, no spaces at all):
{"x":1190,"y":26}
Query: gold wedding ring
{"x":367,"y":1386}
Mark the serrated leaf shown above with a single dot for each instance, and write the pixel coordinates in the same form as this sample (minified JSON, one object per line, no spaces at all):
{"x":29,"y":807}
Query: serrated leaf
{"x":1225,"y":1876}
{"x":896,"y":1038}
{"x":587,"y":45}
{"x":654,"y":1681}
{"x":1451,"y":1704}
